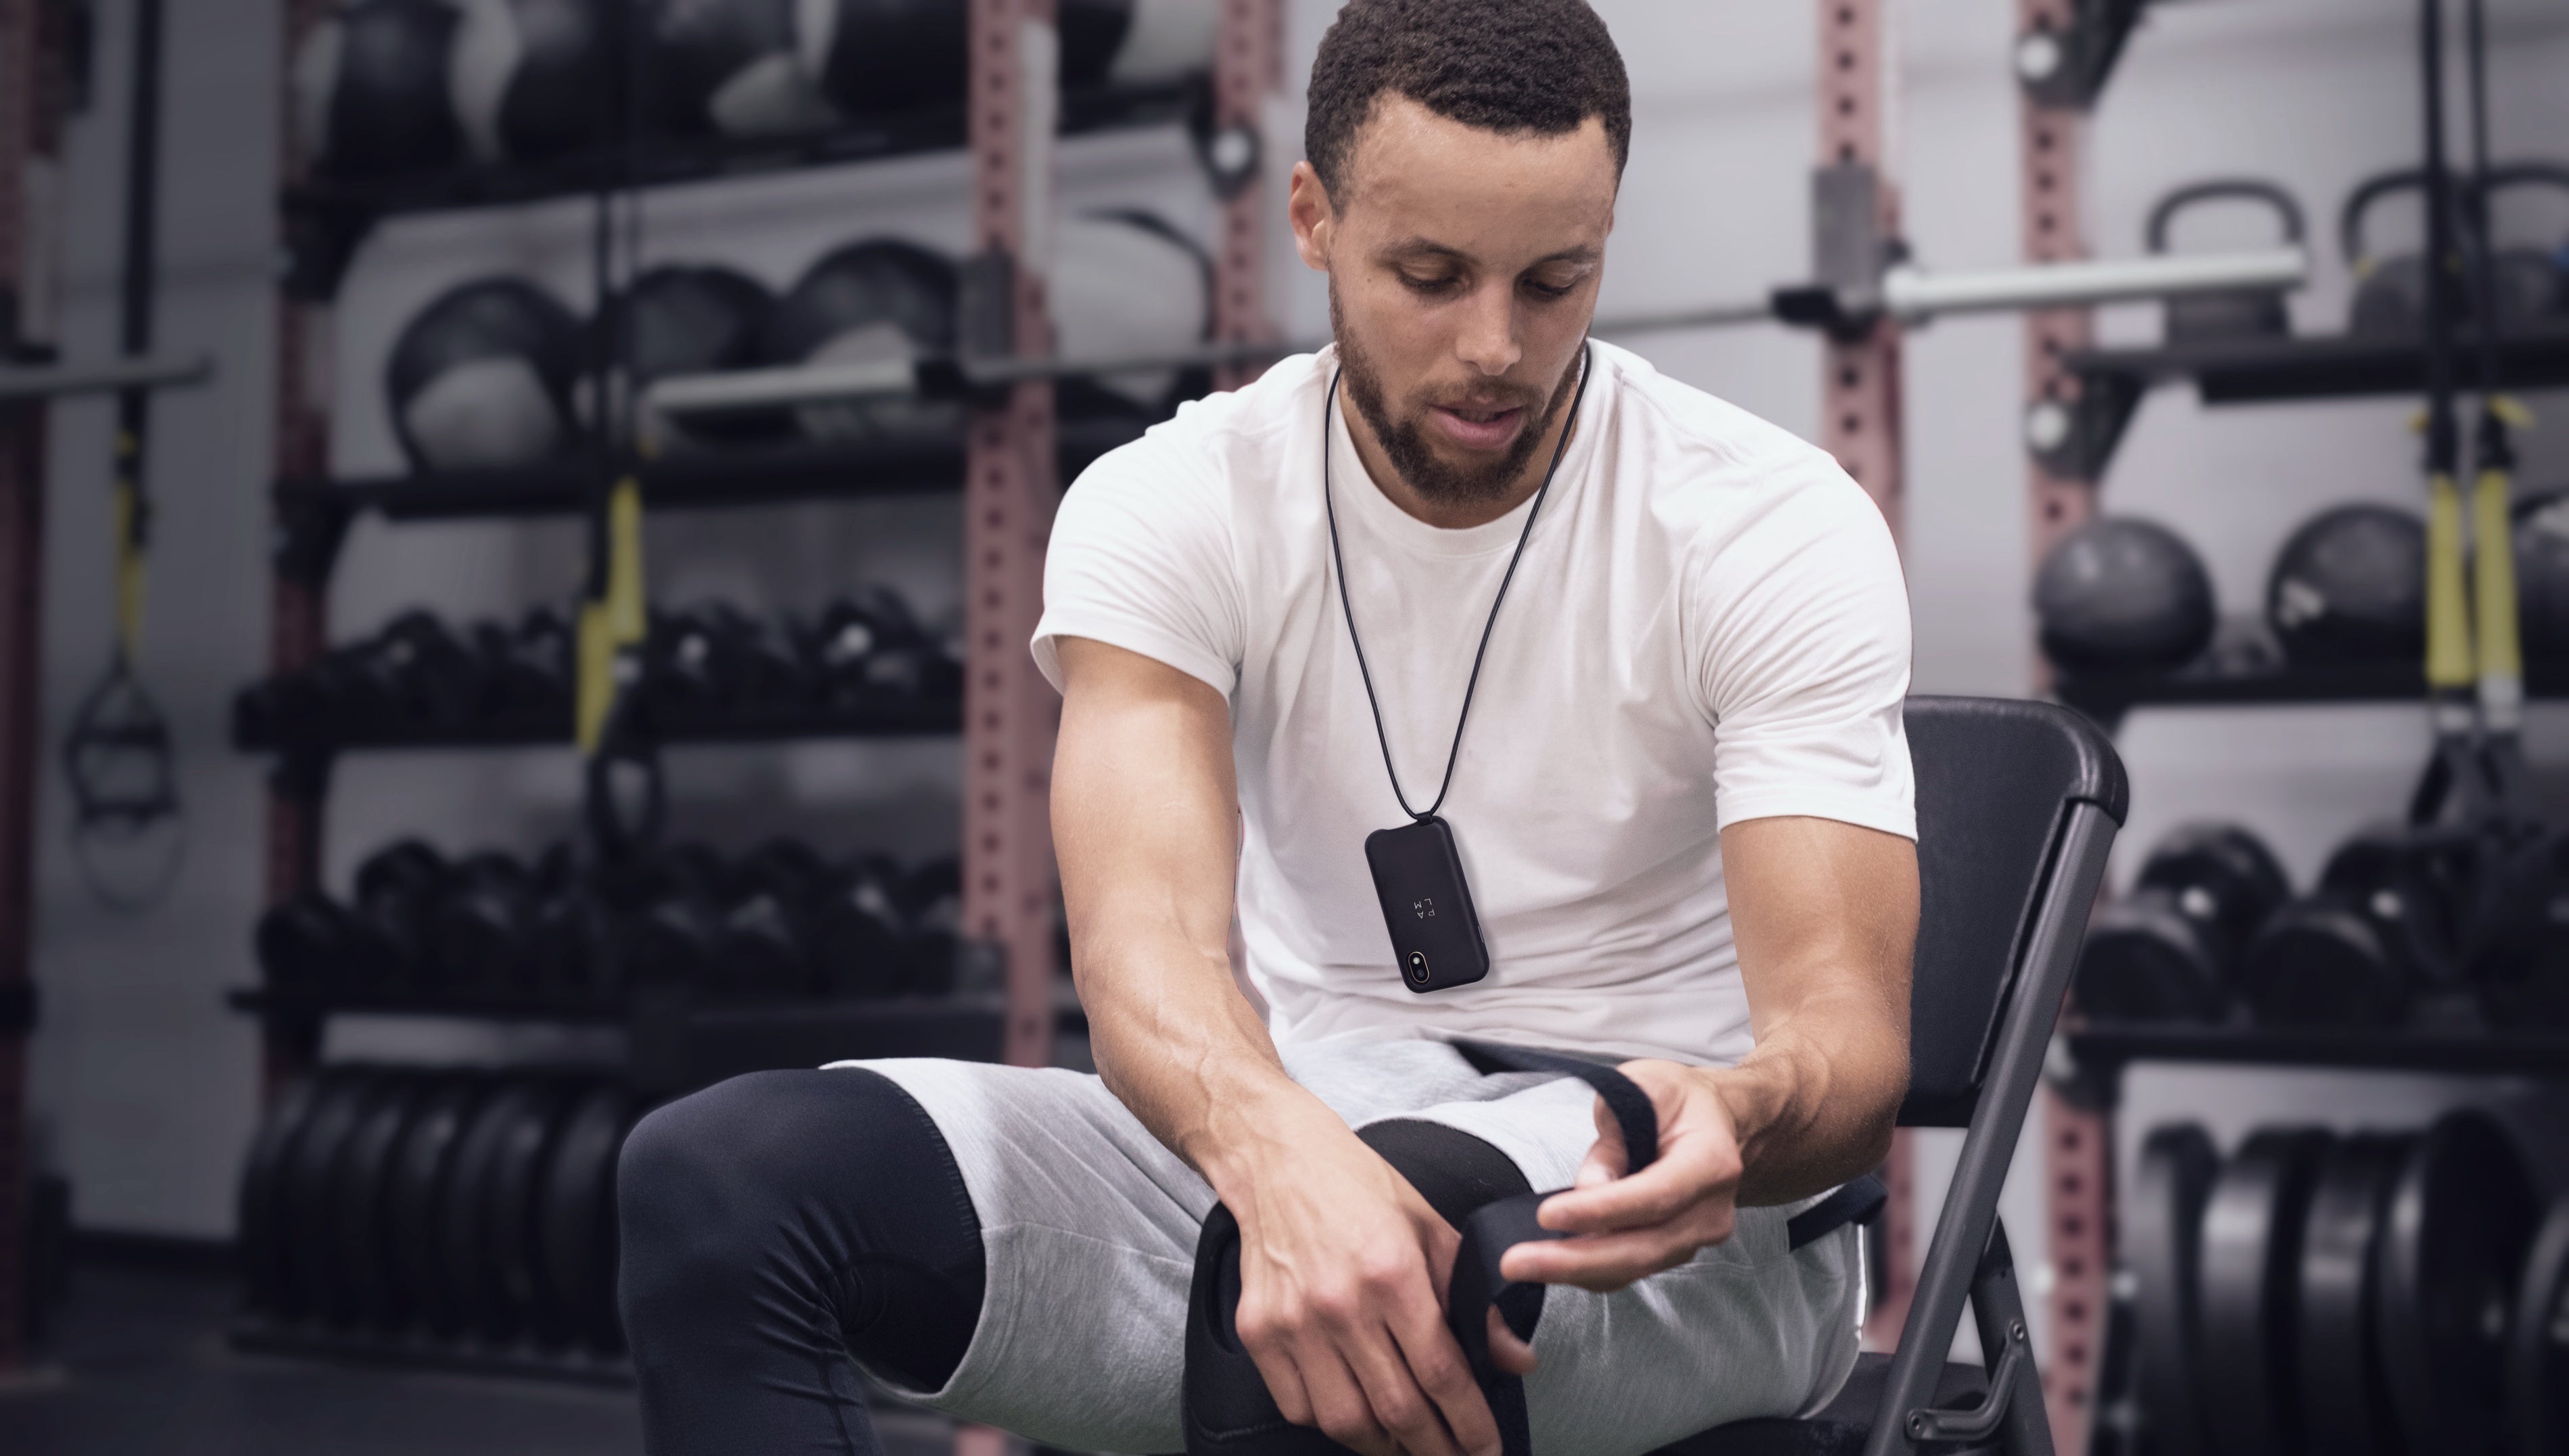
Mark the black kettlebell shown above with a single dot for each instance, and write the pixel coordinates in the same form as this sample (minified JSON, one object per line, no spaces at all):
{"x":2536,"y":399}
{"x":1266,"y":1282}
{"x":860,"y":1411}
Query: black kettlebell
{"x":483,"y":929}
{"x":675,"y":937}
{"x":527,"y":666}
{"x":2249,"y":314}
{"x":440,"y":679}
{"x":2390,"y":293}
{"x":2530,"y":283}
{"x":2170,"y":950}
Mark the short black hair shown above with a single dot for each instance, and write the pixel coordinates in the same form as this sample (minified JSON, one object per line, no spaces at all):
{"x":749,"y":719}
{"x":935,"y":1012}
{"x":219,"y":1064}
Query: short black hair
{"x":1509,"y":66}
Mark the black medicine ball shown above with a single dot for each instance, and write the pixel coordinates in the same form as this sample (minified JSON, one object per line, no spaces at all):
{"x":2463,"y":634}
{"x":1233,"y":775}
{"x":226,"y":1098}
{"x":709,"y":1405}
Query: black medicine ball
{"x":2121,"y":593}
{"x":679,"y":319}
{"x":1136,"y":42}
{"x":2542,"y":573}
{"x":730,"y":67}
{"x":1125,"y":284}
{"x":482,"y":379}
{"x":876,"y":300}
{"x":2351,"y":587}
{"x":370,"y":90}
{"x":875,"y":56}
{"x":527,"y":77}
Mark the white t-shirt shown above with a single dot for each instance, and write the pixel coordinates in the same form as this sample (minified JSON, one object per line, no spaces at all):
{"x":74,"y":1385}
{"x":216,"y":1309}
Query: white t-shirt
{"x":1709,"y":625}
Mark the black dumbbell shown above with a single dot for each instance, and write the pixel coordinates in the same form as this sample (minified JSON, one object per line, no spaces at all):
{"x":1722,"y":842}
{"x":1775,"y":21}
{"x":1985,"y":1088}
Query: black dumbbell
{"x":867,"y":650}
{"x":673,"y":935}
{"x":770,"y":927}
{"x":2170,"y":951}
{"x":861,"y":931}
{"x":397,"y":893}
{"x":483,"y":929}
{"x":312,"y":945}
{"x":935,"y":897}
{"x":713,"y":659}
{"x":2380,"y":930}
{"x":529,"y":666}
{"x":439,"y":681}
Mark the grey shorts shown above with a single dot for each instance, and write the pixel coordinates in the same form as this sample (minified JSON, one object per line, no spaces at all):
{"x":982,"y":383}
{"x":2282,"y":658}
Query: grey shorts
{"x":1089,"y":1229}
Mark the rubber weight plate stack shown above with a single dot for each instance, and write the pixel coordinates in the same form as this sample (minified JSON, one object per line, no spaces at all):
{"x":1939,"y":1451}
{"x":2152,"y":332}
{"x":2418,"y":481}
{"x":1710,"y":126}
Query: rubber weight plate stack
{"x":416,"y":1201}
{"x":2252,"y":1236}
{"x":516,"y":1203}
{"x":365,"y":1286}
{"x":468,"y":1260}
{"x":262,"y":1195}
{"x":2537,"y":1355}
{"x":2162,"y":1245}
{"x":2344,"y":1399}
{"x":2459,"y":1221}
{"x":576,"y":1217}
{"x":311,"y":1187}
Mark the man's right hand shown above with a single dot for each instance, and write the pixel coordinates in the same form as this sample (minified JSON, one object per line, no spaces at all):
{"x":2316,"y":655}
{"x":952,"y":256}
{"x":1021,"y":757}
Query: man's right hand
{"x":1343,"y":1274}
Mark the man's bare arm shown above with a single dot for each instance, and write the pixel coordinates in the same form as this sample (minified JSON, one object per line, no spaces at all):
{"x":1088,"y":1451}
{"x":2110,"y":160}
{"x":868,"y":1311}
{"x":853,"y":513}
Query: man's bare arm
{"x":1341,"y":1262}
{"x":1825,"y":916}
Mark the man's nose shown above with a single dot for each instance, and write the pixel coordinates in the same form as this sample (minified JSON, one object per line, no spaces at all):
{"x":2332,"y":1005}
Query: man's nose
{"x":1488,"y":338}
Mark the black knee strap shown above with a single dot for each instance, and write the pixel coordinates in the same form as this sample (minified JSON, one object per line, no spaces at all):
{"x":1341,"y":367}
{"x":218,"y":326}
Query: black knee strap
{"x":1226,"y":1409}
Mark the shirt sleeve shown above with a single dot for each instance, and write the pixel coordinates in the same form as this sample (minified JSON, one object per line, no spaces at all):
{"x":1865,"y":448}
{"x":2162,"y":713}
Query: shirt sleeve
{"x":1141,"y":559}
{"x":1803,"y":654}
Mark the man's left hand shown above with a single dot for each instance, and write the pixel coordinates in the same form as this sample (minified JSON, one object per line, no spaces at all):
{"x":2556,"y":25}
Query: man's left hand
{"x":1625,"y":1227}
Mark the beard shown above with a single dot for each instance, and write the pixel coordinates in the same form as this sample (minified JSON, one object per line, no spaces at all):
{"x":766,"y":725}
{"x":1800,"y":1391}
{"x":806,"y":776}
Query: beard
{"x":1405,"y":440}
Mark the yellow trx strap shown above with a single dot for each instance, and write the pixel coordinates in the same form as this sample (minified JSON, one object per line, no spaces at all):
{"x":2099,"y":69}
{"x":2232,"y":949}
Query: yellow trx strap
{"x":610,"y":625}
{"x":2448,"y":629}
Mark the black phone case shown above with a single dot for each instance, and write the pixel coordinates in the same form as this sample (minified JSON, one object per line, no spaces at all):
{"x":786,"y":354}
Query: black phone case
{"x":1436,"y":934}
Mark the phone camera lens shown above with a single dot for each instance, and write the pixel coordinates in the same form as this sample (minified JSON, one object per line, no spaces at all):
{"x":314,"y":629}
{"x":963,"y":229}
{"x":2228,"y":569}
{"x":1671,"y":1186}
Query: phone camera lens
{"x":1418,"y":968}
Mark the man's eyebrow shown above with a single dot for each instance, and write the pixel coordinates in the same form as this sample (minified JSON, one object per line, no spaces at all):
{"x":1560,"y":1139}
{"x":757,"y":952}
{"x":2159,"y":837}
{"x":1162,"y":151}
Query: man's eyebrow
{"x":1422,"y":248}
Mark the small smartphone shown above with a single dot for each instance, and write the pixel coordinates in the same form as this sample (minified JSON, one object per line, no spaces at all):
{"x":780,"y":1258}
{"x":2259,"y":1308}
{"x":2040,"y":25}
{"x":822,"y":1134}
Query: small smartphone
{"x":1436,"y":934}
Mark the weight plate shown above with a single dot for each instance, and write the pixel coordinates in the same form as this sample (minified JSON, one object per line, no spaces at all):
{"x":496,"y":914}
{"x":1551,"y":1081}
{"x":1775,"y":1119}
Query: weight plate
{"x":2450,"y":1252}
{"x":575,"y":1217}
{"x":312,"y":1179}
{"x":362,"y":1257}
{"x":2537,"y":1357}
{"x":517,"y":1182}
{"x":262,"y":1192}
{"x":415,"y":1203}
{"x":2161,"y":1242}
{"x":2252,"y":1236}
{"x":2345,"y":1406}
{"x":470,"y":1267}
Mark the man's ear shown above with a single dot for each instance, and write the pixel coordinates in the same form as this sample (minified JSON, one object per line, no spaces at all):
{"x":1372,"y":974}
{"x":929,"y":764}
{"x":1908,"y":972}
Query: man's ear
{"x":1315,"y":217}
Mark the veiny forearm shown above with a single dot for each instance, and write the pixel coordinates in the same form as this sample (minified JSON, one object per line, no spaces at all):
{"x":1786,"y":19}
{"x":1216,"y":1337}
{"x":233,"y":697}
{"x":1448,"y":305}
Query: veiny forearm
{"x":1148,"y":883}
{"x":1826,"y":918}
{"x":1813,"y":1104}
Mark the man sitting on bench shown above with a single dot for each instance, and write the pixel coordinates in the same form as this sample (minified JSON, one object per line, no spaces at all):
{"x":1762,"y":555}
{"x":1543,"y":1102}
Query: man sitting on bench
{"x":1619,"y":667}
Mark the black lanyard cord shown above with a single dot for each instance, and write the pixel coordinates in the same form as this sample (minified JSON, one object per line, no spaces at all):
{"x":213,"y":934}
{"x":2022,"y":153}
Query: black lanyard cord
{"x":1337,"y":554}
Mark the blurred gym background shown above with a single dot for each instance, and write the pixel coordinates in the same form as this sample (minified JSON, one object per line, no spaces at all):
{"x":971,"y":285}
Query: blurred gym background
{"x":792,"y":187}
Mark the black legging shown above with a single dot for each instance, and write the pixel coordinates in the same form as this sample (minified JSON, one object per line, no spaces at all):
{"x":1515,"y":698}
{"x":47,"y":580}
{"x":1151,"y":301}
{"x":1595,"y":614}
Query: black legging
{"x":781,"y":1222}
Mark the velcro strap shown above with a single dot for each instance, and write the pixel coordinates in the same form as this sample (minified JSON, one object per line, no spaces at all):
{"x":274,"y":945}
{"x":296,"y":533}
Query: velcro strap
{"x":1854,"y":1202}
{"x":1623,"y":1097}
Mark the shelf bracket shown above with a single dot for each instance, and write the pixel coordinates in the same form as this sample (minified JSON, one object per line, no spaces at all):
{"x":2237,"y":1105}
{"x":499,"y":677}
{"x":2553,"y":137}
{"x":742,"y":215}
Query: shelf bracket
{"x":2075,"y":436}
{"x":2069,"y":66}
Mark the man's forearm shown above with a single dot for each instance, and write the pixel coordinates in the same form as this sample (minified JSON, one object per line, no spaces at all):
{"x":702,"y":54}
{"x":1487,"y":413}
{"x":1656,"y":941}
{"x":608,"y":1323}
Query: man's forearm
{"x":1815,"y":1104}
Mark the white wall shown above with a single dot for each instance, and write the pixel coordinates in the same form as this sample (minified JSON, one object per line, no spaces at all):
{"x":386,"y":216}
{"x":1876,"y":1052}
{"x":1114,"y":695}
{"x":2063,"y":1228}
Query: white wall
{"x":147,"y":1081}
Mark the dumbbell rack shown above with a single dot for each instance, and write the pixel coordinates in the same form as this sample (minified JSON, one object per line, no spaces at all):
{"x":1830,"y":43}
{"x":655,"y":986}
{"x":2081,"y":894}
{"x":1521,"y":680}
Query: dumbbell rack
{"x":2081,"y":397}
{"x":1010,"y":466}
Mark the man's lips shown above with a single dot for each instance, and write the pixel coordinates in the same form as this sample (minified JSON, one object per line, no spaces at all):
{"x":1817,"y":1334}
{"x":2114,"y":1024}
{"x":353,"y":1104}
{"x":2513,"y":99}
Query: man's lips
{"x":1480,"y":427}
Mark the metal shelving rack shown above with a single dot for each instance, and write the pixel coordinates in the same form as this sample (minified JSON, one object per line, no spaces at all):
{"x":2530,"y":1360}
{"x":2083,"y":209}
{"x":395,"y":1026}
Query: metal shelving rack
{"x":1009,"y":466}
{"x":33,"y":98}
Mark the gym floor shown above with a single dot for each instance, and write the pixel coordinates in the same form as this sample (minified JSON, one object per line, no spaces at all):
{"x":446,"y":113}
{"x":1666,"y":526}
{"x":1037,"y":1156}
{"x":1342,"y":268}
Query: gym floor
{"x":136,"y":1366}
